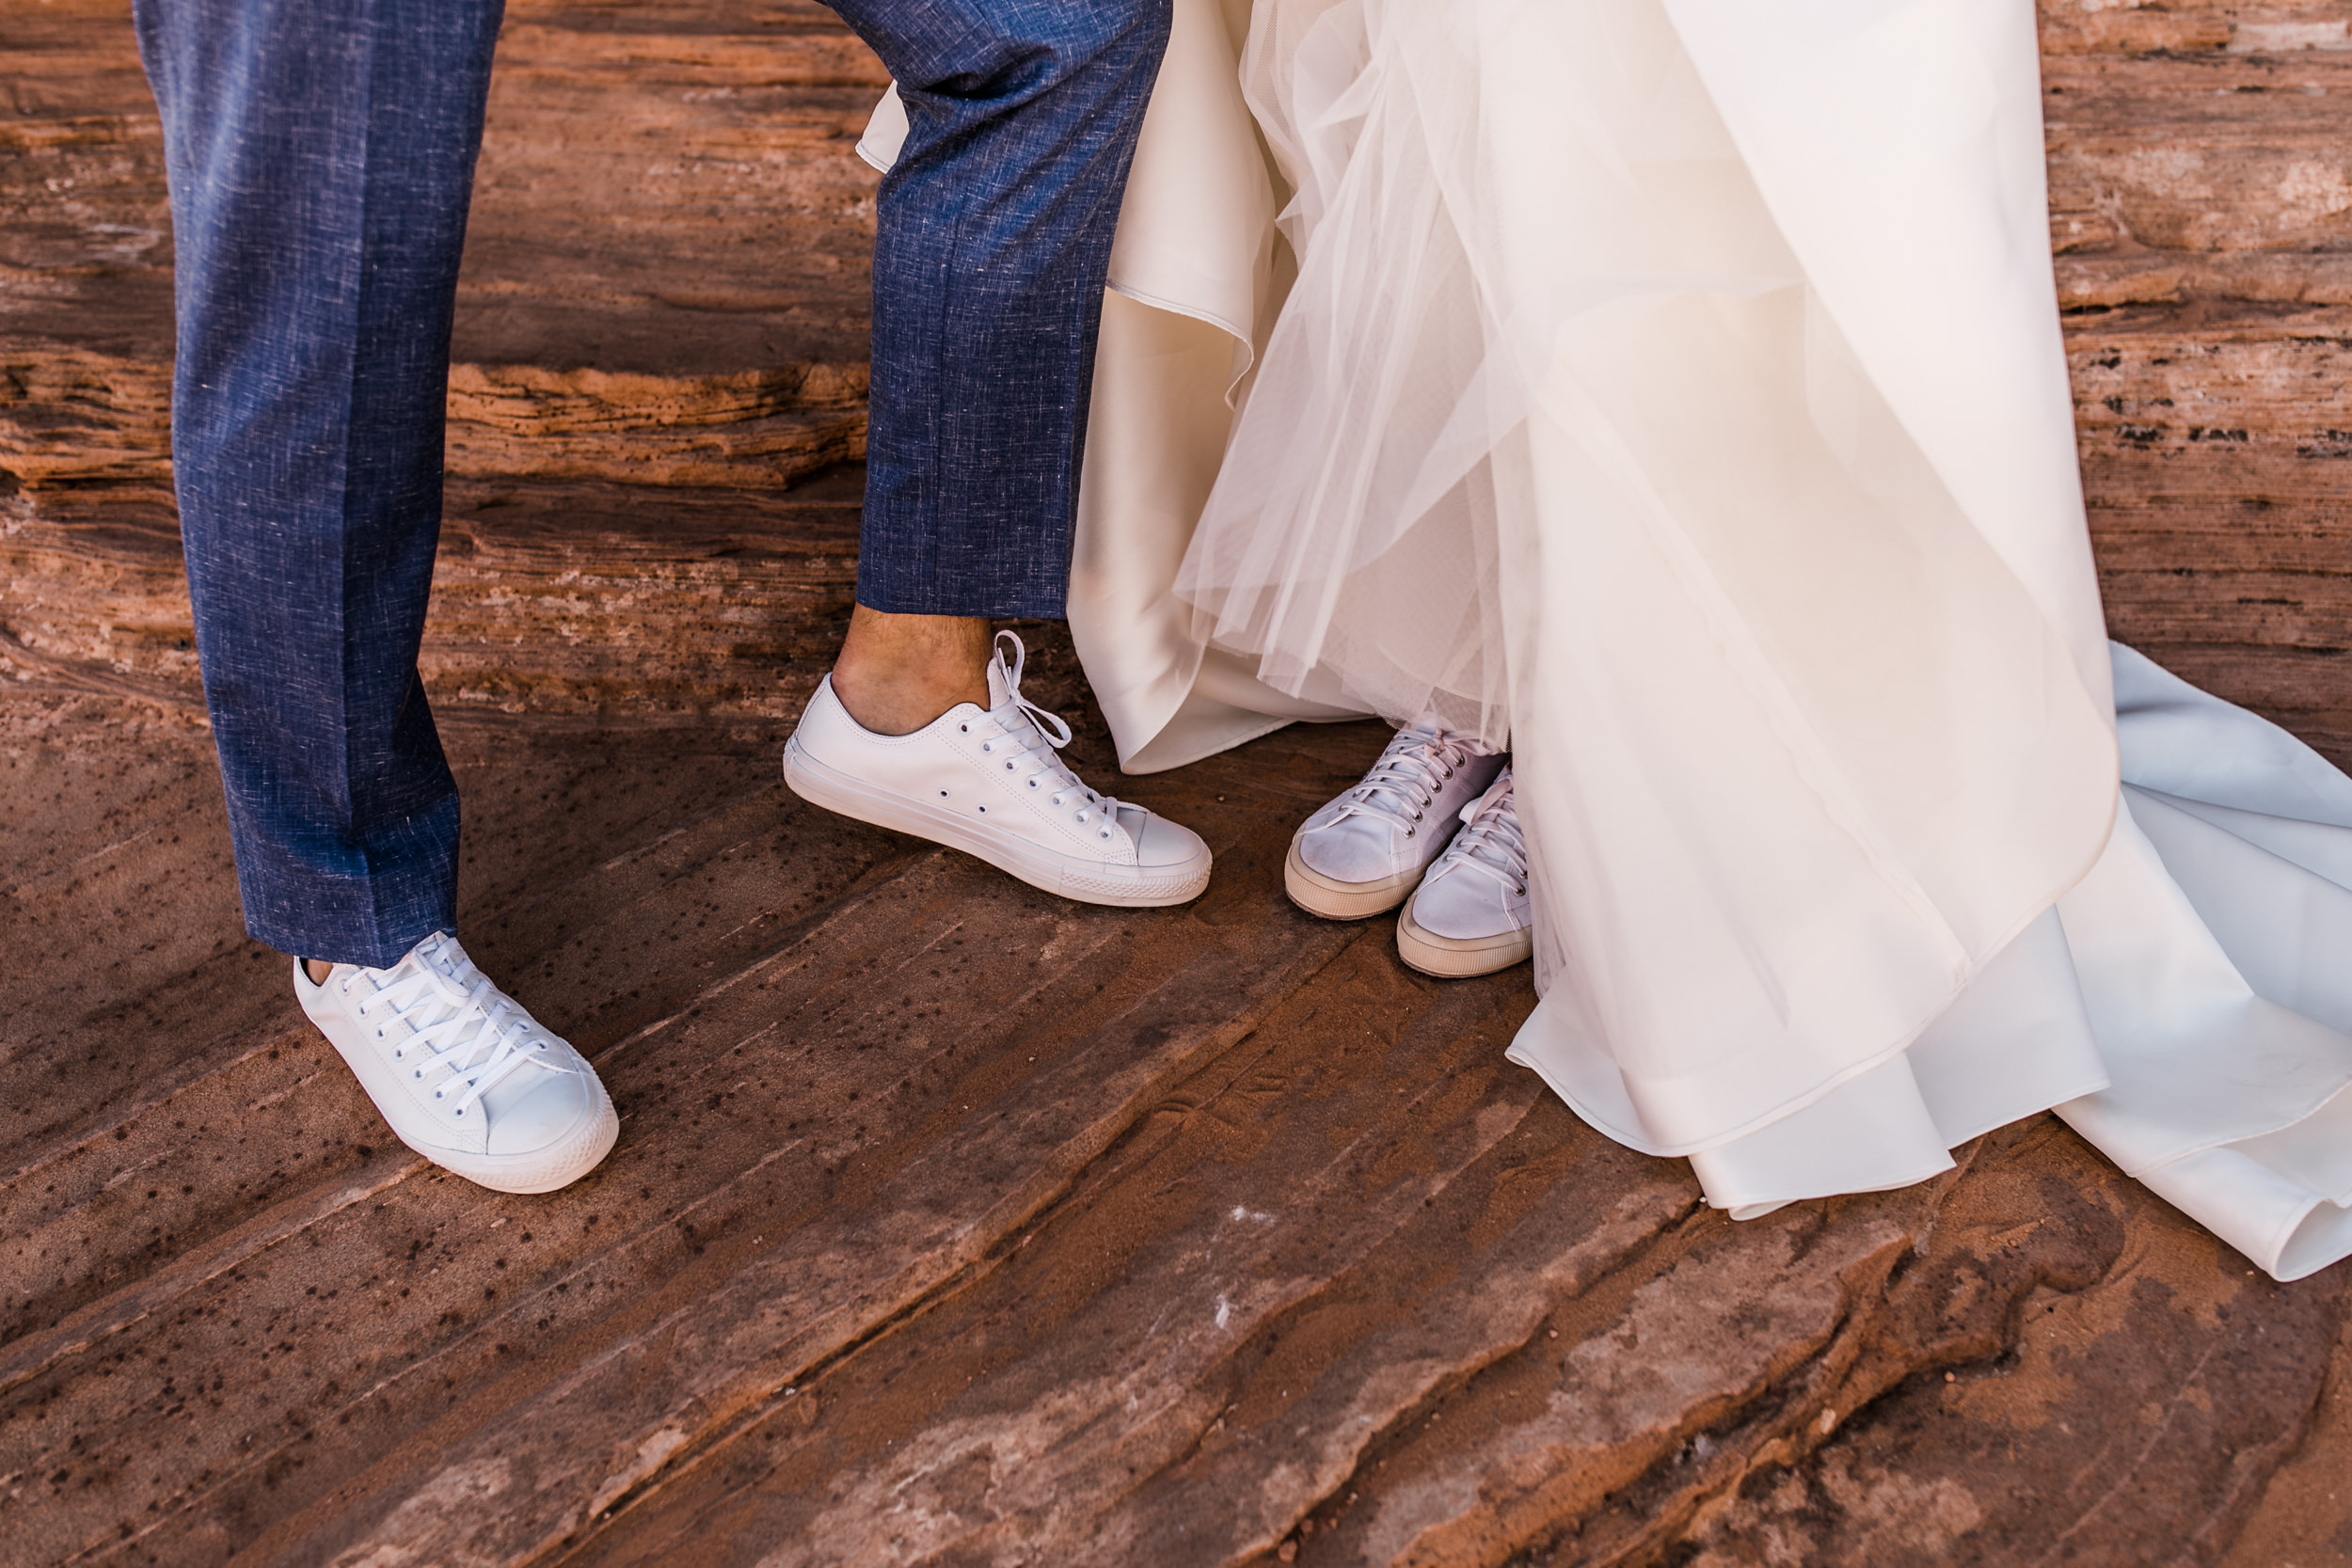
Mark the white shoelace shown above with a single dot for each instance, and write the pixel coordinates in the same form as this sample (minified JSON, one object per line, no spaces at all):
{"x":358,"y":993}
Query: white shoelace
{"x":1407,"y":778}
{"x":1490,"y":840}
{"x":1029,"y":740}
{"x":455,"y":1019}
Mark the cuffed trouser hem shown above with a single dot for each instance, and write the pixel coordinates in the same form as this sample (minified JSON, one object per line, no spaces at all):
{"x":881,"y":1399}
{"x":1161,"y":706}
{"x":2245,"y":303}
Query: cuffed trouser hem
{"x":956,"y":599}
{"x":371,"y":924}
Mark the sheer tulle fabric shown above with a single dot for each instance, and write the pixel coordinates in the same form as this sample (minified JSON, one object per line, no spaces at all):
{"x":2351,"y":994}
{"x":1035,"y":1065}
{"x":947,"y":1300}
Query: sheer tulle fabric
{"x":1349,"y":544}
{"x":1675,"y":389}
{"x":1554,"y":396}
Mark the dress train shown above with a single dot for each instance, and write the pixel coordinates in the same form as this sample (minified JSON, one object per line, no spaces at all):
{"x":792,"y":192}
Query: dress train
{"x":1674,"y":387}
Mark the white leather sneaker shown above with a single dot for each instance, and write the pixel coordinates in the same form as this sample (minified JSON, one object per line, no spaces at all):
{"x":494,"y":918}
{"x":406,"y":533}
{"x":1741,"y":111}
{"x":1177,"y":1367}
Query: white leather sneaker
{"x":987,"y":781}
{"x":1362,"y":853}
{"x":463,"y":1075}
{"x":1469,"y":915}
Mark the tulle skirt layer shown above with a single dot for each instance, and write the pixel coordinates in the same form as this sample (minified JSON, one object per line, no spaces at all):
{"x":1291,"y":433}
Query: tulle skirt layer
{"x":1673,"y":390}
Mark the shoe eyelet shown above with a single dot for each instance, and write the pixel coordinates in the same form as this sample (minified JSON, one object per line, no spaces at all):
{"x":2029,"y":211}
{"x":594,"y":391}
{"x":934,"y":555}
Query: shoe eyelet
{"x":1106,"y":833}
{"x":436,"y":1093}
{"x":1410,"y":832}
{"x":543,"y":1045}
{"x":966,"y":728}
{"x":399,"y":1054}
{"x":988,"y":745}
{"x":983,"y":811}
{"x":1008,"y":766}
{"x":1523,"y":887}
{"x":1082,"y":817}
{"x":1032,"y":784}
{"x":460,"y":1111}
{"x":943,"y":795}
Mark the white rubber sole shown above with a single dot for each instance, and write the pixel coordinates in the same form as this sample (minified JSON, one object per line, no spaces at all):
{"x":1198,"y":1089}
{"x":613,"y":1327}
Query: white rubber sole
{"x":542,"y":1170}
{"x":1317,"y":893}
{"x":1087,"y":882}
{"x":1459,"y":957}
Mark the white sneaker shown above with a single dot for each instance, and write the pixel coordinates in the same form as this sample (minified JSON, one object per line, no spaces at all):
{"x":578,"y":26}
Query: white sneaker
{"x":1469,"y":915}
{"x":464,"y":1076}
{"x":1362,"y":853}
{"x":988,"y":782}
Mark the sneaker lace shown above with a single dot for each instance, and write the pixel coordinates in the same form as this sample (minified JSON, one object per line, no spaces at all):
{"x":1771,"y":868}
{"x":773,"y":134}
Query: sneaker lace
{"x":1490,"y":840}
{"x":1034,"y":736}
{"x":1402,"y":785}
{"x":456,"y":1020}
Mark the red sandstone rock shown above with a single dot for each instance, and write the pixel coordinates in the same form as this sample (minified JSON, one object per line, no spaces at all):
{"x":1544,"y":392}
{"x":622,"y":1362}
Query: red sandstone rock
{"x":949,"y":1223}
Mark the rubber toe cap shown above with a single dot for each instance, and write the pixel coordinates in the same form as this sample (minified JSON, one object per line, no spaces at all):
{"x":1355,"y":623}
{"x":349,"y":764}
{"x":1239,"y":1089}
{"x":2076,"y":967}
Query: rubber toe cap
{"x":549,"y":1110}
{"x":1353,"y":850}
{"x":1165,"y":845}
{"x":1464,"y":906}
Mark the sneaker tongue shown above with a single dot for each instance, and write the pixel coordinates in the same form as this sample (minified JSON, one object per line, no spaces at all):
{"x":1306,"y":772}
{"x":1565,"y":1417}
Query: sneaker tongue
{"x":1486,"y":853}
{"x":467,"y":1041}
{"x":1396,"y":793}
{"x":1476,"y":846}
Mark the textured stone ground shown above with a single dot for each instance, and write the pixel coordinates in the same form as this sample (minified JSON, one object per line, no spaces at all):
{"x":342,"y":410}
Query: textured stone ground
{"x":951,"y":1222}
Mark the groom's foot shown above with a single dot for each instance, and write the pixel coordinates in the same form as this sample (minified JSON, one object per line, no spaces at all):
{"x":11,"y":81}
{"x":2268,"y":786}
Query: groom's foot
{"x":987,"y":781}
{"x":1364,"y":853}
{"x":463,"y":1075}
{"x":1470,"y":915}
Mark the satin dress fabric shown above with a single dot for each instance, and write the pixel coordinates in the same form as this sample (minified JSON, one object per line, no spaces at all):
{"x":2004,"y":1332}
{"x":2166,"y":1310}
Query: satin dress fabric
{"x":1673,"y":389}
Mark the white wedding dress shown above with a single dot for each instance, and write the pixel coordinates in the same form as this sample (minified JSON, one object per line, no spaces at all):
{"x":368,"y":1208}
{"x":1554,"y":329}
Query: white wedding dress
{"x":1673,"y":389}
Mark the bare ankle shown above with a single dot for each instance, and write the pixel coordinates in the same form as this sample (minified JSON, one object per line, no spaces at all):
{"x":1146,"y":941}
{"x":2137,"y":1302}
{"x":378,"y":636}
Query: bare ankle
{"x":899,"y":673}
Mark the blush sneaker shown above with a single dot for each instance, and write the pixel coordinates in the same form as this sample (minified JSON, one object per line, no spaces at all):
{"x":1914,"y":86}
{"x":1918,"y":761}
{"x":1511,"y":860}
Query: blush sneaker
{"x":1364,"y":853}
{"x":1469,"y":915}
{"x":463,"y":1075}
{"x":988,"y":782}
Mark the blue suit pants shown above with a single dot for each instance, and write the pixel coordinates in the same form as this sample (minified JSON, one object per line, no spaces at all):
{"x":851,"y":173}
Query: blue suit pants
{"x":321,"y":156}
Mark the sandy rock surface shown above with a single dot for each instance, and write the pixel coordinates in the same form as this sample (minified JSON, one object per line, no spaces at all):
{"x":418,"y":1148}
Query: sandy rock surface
{"x":951,"y":1222}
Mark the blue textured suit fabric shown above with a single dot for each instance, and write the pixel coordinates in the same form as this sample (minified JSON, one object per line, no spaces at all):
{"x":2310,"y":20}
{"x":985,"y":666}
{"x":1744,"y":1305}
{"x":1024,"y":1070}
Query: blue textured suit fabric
{"x":320,"y":155}
{"x":992,"y":247}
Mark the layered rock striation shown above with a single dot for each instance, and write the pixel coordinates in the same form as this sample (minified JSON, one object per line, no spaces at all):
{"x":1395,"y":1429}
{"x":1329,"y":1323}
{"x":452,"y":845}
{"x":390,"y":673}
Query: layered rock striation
{"x":666,"y":289}
{"x":951,"y":1222}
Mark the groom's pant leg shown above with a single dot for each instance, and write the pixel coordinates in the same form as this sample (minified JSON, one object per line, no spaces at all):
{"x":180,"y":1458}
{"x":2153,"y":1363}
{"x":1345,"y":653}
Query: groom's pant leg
{"x":320,"y":154}
{"x":992,"y":247}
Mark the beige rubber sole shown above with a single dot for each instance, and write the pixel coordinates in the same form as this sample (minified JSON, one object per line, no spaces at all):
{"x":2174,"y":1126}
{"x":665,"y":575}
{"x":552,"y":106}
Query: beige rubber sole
{"x":1119,"y":886}
{"x":1317,"y":893}
{"x":1459,"y":957}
